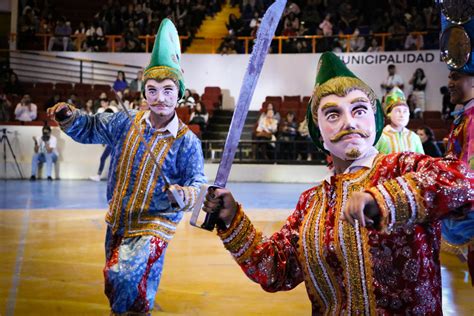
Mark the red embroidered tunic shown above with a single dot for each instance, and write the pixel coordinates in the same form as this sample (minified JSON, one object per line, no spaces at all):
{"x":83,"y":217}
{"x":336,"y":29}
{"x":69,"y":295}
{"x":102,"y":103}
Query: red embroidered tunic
{"x":354,"y":270}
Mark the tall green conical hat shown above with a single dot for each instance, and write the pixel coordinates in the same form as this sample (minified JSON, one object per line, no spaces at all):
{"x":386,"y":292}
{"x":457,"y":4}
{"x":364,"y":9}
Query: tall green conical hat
{"x":166,"y":56}
{"x":393,"y":98}
{"x":334,"y":77}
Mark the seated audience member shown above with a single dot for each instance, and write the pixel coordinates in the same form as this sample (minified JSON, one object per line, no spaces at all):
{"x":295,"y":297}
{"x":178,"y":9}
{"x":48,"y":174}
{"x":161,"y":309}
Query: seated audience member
{"x":305,"y":150}
{"x":137,"y":83}
{"x":89,"y":107}
{"x":276,"y":115}
{"x":45,"y":151}
{"x":73,"y":99}
{"x":56,"y":98}
{"x":199,"y":116}
{"x":287,"y":136}
{"x":428,"y":140}
{"x":266,"y":130}
{"x":26,"y":111}
{"x":62,"y":35}
{"x":13,"y":85}
{"x":120,"y":82}
{"x":5,"y":106}
{"x":187,"y":100}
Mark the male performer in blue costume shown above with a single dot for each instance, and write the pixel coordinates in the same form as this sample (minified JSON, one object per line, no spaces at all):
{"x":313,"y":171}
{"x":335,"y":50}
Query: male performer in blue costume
{"x":141,"y":220}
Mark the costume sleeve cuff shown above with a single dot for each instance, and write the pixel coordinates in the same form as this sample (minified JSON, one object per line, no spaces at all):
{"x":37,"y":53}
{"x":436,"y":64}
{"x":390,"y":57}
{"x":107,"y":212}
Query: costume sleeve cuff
{"x":241,"y":237}
{"x":399,"y":202}
{"x":190,"y":196}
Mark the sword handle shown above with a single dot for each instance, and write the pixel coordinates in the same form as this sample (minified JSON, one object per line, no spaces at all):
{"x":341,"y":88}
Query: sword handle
{"x":210,"y":221}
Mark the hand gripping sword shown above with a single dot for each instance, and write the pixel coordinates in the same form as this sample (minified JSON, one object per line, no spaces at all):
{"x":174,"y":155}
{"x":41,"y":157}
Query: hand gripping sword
{"x":177,"y":198}
{"x":264,"y":38}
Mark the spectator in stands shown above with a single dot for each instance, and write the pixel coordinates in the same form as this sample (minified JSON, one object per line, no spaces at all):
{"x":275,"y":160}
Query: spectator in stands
{"x":291,"y":25}
{"x":13,"y":85}
{"x":26,"y":111}
{"x":428,"y":140}
{"x":80,"y":36}
{"x":89,"y":107}
{"x":199,"y":116}
{"x":131,"y":34}
{"x":97,"y":102}
{"x":418,"y":82}
{"x":447,"y":106}
{"x":136,"y":84}
{"x":395,"y":136}
{"x":374,"y":46}
{"x":266,"y":130}
{"x":45,"y":151}
{"x":287,"y":136}
{"x":414,"y":41}
{"x":398,"y":31}
{"x":357,"y":42}
{"x":392,"y":80}
{"x":54,"y":99}
{"x":234,"y":25}
{"x":95,"y":39}
{"x":326,"y":25}
{"x":5,"y":108}
{"x":73,"y":99}
{"x":120,"y":82}
{"x":27,"y":27}
{"x":276,"y":115}
{"x":137,"y":103}
{"x":187,"y":100}
{"x":62,"y":35}
{"x":305,"y":151}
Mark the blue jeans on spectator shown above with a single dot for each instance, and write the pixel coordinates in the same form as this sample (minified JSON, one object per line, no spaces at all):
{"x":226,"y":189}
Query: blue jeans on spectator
{"x":49,"y":158}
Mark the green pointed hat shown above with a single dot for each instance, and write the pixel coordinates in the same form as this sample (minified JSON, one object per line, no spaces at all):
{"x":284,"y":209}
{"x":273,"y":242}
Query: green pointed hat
{"x":393,"y":98}
{"x":334,"y":77}
{"x":166,"y":56}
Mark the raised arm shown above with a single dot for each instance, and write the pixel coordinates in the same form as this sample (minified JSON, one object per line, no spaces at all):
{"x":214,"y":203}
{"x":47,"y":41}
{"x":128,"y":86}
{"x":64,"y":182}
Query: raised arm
{"x":270,"y":261}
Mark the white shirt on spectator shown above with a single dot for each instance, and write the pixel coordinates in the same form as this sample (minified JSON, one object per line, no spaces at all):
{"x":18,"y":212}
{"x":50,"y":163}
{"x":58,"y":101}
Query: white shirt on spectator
{"x":42,"y":144}
{"x":393,"y":81}
{"x":24,"y":114}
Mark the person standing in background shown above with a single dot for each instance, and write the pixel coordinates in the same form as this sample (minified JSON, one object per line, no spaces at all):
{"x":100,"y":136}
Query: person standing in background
{"x":393,"y":80}
{"x":418,"y":82}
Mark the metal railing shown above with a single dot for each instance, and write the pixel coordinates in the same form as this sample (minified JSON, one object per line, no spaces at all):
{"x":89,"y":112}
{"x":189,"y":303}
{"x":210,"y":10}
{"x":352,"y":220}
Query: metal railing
{"x":32,"y":66}
{"x":113,"y":42}
{"x":263,"y":151}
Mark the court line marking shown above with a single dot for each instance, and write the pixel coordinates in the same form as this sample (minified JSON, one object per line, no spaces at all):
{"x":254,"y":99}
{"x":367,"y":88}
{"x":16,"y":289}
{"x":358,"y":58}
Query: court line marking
{"x":11,"y":302}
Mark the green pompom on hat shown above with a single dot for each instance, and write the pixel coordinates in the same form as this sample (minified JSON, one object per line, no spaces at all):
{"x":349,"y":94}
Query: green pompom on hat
{"x":330,"y":69}
{"x":393,"y":98}
{"x":166,"y":56}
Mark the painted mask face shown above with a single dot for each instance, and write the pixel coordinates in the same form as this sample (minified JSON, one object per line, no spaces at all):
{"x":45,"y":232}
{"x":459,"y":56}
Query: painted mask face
{"x":162,"y":97}
{"x":399,"y":116}
{"x":347,"y":124}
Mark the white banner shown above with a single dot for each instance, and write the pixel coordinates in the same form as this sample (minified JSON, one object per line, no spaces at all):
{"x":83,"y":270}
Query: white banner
{"x":292,"y":74}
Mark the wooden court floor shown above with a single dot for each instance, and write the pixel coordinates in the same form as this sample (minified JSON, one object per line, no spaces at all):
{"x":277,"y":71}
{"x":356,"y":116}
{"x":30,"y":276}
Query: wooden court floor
{"x":51,"y":264}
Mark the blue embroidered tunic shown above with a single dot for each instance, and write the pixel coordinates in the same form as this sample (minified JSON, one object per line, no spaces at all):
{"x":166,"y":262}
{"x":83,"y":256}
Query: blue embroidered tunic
{"x":138,"y":204}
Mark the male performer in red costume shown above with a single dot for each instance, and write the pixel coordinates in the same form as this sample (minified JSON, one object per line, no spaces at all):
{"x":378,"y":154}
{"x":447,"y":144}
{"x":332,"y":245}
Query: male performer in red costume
{"x":366,"y":240}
